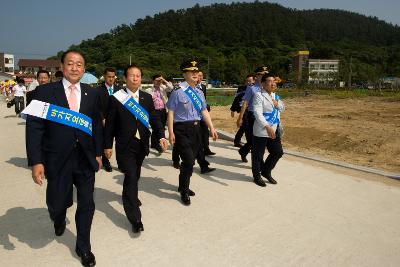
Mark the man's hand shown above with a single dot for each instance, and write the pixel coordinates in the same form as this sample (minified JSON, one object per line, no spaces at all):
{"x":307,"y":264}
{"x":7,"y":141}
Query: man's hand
{"x":38,"y":173}
{"x":271,"y":132}
{"x":214,"y":134}
{"x":171,"y":138}
{"x":98,"y":159}
{"x":239,"y":122}
{"x":163,"y":144}
{"x":108,"y":152}
{"x":275,"y":103}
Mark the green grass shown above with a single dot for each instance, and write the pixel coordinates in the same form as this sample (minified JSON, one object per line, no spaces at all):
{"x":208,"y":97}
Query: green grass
{"x":216,"y":97}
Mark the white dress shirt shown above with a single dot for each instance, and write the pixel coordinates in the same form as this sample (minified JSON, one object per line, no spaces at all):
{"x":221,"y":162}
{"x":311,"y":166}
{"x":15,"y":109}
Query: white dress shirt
{"x":19,"y":90}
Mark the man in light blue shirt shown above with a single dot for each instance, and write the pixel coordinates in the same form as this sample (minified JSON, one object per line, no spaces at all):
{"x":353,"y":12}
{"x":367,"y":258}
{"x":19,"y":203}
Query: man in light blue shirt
{"x":248,"y":104}
{"x":186,"y":107}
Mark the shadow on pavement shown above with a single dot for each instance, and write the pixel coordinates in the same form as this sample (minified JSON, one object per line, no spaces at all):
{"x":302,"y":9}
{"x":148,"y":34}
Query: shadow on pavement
{"x":19,"y":162}
{"x":32,"y":227}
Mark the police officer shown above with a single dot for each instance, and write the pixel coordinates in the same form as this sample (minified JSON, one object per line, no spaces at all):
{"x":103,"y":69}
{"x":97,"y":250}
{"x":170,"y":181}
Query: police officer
{"x":186,"y":106}
{"x":248,"y":104}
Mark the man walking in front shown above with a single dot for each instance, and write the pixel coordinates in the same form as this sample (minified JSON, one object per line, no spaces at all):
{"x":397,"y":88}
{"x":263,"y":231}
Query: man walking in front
{"x":66,"y":145}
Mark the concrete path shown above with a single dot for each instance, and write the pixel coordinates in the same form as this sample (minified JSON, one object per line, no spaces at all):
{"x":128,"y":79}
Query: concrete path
{"x":317,"y":215}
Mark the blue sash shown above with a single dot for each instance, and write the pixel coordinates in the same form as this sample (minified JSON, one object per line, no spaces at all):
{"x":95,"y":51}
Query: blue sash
{"x":196,"y":100}
{"x":70,"y":118}
{"x":138,"y":111}
{"x":273,"y":116}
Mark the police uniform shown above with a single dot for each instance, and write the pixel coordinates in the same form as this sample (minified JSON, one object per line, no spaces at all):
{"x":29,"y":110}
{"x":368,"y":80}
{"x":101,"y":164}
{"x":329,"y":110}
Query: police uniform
{"x":249,"y":97}
{"x":186,"y":128}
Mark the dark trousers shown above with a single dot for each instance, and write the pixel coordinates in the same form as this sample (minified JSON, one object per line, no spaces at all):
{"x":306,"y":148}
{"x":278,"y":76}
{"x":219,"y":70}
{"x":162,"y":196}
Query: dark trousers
{"x":200,"y":157}
{"x":19,"y":104}
{"x":244,"y":150}
{"x":130,"y":162}
{"x":155,"y":143}
{"x":205,"y":135}
{"x":241,"y":131}
{"x":274,"y":147}
{"x":76,"y":171}
{"x":187,"y":145}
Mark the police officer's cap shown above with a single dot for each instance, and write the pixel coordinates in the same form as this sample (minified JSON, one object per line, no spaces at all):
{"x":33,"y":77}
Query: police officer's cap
{"x":189,"y":65}
{"x":261,"y":70}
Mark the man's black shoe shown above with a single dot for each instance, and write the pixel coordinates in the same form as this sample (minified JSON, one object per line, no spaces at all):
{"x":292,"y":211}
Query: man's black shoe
{"x":237,"y":145}
{"x":185,"y":199}
{"x":108,"y":168}
{"x":137,"y":227}
{"x":190,"y":193}
{"x":259,"y":181}
{"x":59,"y":229}
{"x":176,"y":165}
{"x":209,"y":153}
{"x":87,"y":258}
{"x":269,"y":178}
{"x":206,"y":170}
{"x":243,"y":157}
{"x":139,"y":202}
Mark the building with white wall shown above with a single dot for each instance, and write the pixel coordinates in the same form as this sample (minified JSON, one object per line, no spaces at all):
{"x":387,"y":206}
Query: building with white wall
{"x":7,"y":64}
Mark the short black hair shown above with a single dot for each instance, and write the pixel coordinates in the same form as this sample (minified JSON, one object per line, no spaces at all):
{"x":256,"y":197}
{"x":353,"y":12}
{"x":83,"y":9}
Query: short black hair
{"x":59,"y":74}
{"x":266,"y":76}
{"x":109,"y":70}
{"x":155,"y":76}
{"x":72,"y":51}
{"x":131,"y":67}
{"x":42,"y":71}
{"x":249,"y":75}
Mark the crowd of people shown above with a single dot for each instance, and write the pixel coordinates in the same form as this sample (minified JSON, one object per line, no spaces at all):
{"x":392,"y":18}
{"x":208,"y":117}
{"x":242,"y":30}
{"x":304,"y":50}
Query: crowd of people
{"x":71,"y":129}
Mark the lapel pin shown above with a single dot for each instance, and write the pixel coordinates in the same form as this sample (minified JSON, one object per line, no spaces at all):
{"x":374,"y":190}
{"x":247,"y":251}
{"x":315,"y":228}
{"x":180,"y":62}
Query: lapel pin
{"x":85,"y":93}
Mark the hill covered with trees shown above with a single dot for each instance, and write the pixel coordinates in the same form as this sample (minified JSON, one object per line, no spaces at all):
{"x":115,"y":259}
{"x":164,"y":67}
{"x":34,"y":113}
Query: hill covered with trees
{"x":230,"y":40}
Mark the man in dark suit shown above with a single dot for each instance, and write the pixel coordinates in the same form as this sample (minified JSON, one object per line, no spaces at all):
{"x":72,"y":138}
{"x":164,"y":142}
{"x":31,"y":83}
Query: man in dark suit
{"x":205,"y":134}
{"x":67,"y":155}
{"x":106,"y":90}
{"x":237,"y":106}
{"x":132,"y":140}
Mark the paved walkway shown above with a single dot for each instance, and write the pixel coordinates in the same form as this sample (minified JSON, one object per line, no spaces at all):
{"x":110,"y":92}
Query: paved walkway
{"x":317,"y":215}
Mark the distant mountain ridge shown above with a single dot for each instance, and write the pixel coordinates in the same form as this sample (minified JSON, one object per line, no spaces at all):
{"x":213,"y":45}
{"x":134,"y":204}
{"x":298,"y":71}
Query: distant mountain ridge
{"x":231,"y":39}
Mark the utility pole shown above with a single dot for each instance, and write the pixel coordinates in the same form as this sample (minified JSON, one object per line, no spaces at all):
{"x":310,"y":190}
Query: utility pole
{"x":130,"y":60}
{"x":208,"y":70}
{"x":350,"y":71}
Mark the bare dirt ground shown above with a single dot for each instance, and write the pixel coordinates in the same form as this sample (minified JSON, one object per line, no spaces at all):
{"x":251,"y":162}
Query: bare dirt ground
{"x":363,"y":131}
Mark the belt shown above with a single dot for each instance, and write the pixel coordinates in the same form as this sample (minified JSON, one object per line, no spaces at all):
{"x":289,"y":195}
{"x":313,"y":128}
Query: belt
{"x":187,"y":123}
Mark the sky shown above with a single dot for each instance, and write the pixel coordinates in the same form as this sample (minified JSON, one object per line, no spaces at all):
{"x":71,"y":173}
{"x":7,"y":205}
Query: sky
{"x":41,"y":28}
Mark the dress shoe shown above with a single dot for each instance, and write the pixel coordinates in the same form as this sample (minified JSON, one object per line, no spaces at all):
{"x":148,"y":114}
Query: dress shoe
{"x":243,"y":157}
{"x":190,"y":193}
{"x":137,"y":227}
{"x":185,"y":199}
{"x":139,"y":202}
{"x":206,"y":170}
{"x":237,"y":145}
{"x":269,"y":177}
{"x":59,"y":228}
{"x":108,"y":168}
{"x":259,"y":181}
{"x":176,"y":165}
{"x":209,"y":153}
{"x":87,"y":258}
